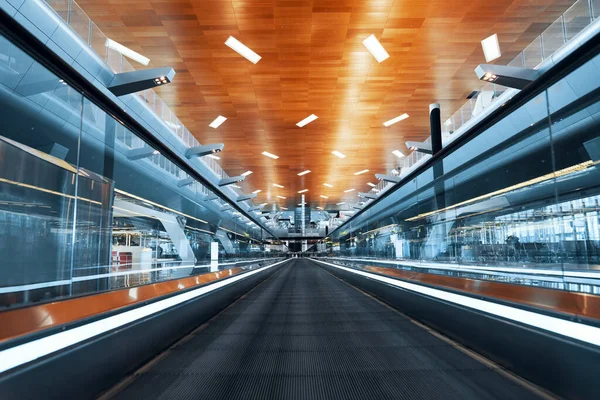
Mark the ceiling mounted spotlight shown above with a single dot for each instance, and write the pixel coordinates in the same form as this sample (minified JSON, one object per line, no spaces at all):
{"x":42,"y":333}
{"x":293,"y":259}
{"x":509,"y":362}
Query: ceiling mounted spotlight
{"x":205,"y":150}
{"x":513,"y":77}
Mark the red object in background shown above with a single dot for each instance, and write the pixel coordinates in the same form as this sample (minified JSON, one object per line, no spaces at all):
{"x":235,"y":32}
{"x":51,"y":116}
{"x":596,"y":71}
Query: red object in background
{"x":121,"y":260}
{"x":125,"y":260}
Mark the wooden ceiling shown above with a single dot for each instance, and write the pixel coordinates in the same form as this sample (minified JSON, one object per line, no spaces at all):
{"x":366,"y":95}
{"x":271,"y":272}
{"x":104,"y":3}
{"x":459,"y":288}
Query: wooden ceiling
{"x":313,"y":61}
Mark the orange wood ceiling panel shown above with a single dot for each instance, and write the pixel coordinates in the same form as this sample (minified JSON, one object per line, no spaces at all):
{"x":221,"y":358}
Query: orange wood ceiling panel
{"x":313,"y":61}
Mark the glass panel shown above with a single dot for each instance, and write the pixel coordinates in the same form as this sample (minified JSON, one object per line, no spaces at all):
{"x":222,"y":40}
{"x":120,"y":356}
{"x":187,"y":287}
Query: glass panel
{"x":87,"y":206}
{"x":518,"y":203}
{"x":553,"y":37}
{"x":576,"y":18}
{"x":80,"y":22}
{"x":532,"y":55}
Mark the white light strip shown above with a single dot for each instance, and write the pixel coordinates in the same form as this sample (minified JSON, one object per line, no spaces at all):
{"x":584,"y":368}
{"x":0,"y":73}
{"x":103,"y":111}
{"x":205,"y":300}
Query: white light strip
{"x":364,"y":171}
{"x":398,"y":153}
{"x":271,"y":155}
{"x":281,"y":197}
{"x":30,"y":351}
{"x":339,"y":204}
{"x":127,"y":52}
{"x":338,"y":154}
{"x":325,"y":197}
{"x":257,"y":191}
{"x":213,"y":156}
{"x":491,"y":48}
{"x":22,"y":288}
{"x":371,"y":184}
{"x":217,"y":122}
{"x":279,"y":186}
{"x":246,"y":173}
{"x":394,"y":120}
{"x":328,"y":185}
{"x":375,"y":48}
{"x":585,"y":333}
{"x":303,"y":191}
{"x":307,"y":120}
{"x":476,"y":268}
{"x":304,"y":172}
{"x":242,"y":50}
{"x":349,"y":190}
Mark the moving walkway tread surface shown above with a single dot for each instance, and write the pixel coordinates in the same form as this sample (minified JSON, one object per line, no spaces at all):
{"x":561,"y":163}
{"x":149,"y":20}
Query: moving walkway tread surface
{"x":305,"y":334}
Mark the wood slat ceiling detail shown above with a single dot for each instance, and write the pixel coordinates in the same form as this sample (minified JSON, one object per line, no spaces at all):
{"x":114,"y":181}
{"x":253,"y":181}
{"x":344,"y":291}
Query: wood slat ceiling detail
{"x":313,"y":61}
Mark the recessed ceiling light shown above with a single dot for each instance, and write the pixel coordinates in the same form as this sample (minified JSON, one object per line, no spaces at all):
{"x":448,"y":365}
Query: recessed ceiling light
{"x":281,"y":197}
{"x":279,"y":186}
{"x":325,"y":197}
{"x":217,"y":122}
{"x":361,"y":172}
{"x":304,"y":172}
{"x":263,"y":204}
{"x":338,"y":154}
{"x":242,"y":50}
{"x":398,"y":153}
{"x":303,"y":191}
{"x":273,"y":156}
{"x":283,"y":208}
{"x":257,"y":191}
{"x":349,"y":190}
{"x":319,"y":208}
{"x":371,"y":184}
{"x":246,"y":173}
{"x":213,"y":156}
{"x":491,"y":48}
{"x":307,"y":120}
{"x":373,"y":45}
{"x":127,"y":52}
{"x":339,"y":204}
{"x":328,"y":185}
{"x":397,"y":119}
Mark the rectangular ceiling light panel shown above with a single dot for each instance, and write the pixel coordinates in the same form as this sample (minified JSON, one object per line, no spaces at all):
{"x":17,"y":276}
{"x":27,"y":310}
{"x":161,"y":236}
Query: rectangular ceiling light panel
{"x":349,"y":190}
{"x":364,"y":171}
{"x":325,"y":197}
{"x":257,"y":191}
{"x":394,"y":120}
{"x":339,"y":204}
{"x":304,"y":172}
{"x":398,"y":153}
{"x":376,"y":49}
{"x":279,"y":186}
{"x":281,"y":197}
{"x":491,"y":48}
{"x":303,"y":191}
{"x":328,"y":185}
{"x":242,"y":50}
{"x":246,"y":173}
{"x":217,"y":122}
{"x":307,"y":120}
{"x":338,"y":154}
{"x":271,"y":155}
{"x":371,"y":184}
{"x":214,"y":157}
{"x":127,"y":52}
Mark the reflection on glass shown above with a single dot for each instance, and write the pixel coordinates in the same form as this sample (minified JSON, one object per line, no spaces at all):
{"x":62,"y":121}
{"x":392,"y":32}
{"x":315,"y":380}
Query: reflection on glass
{"x":80,"y":214}
{"x":519,"y":203}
